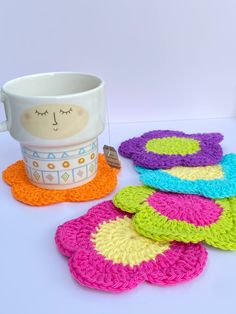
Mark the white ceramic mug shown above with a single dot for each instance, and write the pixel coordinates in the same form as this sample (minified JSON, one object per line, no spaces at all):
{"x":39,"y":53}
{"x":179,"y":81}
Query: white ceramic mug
{"x":57,"y":118}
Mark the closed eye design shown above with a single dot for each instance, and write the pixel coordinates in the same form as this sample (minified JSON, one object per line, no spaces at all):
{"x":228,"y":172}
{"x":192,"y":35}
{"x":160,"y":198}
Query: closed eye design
{"x":65,"y":112}
{"x":41,"y":113}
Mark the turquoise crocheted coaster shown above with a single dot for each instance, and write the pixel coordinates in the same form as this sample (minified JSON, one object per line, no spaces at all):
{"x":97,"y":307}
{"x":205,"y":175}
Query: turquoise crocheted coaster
{"x":218,"y":181}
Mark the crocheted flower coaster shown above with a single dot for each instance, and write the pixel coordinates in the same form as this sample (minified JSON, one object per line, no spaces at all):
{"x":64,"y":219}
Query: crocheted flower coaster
{"x":106,"y":253}
{"x":218,"y":181}
{"x":166,"y":149}
{"x":24,"y":191}
{"x":181,"y":217}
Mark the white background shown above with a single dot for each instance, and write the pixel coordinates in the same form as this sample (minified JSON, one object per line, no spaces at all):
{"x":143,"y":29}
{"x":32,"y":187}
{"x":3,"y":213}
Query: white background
{"x":165,"y":59}
{"x":161,"y":59}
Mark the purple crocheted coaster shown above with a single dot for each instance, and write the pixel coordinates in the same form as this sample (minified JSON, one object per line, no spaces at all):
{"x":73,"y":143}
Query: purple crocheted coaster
{"x":166,"y":149}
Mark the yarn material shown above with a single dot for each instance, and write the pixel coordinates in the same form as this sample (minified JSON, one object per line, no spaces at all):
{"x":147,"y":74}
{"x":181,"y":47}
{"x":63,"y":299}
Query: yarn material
{"x":24,"y":191}
{"x":182,"y":217}
{"x":218,"y":181}
{"x":180,"y":207}
{"x":106,"y":253}
{"x":165,"y":149}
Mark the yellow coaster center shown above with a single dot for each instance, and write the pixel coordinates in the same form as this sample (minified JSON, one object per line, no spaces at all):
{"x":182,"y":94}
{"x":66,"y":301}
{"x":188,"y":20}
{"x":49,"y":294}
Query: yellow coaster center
{"x":197,"y":173}
{"x":173,"y":146}
{"x":118,"y":241}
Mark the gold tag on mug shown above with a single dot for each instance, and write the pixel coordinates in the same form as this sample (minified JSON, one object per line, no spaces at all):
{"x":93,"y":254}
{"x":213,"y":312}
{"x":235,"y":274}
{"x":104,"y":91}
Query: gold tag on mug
{"x":111,"y":156}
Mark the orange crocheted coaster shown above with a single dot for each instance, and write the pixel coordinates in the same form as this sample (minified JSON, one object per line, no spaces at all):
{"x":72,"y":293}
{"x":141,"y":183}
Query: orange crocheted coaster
{"x":24,"y":191}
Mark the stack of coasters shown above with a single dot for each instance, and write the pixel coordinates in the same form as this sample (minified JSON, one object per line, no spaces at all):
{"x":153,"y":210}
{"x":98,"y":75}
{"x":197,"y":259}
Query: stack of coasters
{"x":149,"y":233}
{"x":165,"y":216}
{"x":173,"y":161}
{"x":106,"y":253}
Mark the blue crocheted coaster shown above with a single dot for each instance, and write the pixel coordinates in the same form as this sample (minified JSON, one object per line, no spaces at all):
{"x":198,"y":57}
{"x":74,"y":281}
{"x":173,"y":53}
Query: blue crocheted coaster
{"x":218,"y":181}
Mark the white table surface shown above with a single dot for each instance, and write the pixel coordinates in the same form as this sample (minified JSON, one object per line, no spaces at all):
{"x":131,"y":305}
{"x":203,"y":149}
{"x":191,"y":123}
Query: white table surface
{"x":35,"y":278}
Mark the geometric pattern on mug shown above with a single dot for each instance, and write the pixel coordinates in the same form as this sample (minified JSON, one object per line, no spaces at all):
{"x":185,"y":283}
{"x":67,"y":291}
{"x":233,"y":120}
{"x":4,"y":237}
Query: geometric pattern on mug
{"x":65,"y":176}
{"x":58,"y":164}
{"x":50,"y":177}
{"x":70,"y":164}
{"x":37,"y":176}
{"x":61,"y":154}
{"x":66,"y":170}
{"x":75,"y":175}
{"x":80,"y":174}
{"x":91,"y":168}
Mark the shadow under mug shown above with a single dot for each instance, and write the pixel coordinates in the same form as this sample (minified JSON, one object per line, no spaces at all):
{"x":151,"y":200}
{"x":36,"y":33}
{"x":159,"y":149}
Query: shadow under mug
{"x":56,"y":118}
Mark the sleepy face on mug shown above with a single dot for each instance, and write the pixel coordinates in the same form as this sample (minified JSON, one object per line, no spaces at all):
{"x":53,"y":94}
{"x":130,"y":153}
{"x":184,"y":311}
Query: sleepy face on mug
{"x":54,"y":121}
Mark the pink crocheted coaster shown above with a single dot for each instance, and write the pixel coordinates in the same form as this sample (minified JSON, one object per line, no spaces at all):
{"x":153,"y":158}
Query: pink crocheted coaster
{"x":106,"y":253}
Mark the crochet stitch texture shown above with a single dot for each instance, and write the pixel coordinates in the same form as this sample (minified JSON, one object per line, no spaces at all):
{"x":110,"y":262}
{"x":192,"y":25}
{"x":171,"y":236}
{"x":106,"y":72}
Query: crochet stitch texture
{"x":166,"y":149}
{"x":24,"y":191}
{"x":188,"y":218}
{"x":106,"y":253}
{"x":218,"y":181}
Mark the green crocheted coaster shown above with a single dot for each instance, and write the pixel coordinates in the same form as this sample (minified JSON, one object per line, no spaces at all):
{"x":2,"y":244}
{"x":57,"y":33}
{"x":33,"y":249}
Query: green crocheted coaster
{"x":181,"y":217}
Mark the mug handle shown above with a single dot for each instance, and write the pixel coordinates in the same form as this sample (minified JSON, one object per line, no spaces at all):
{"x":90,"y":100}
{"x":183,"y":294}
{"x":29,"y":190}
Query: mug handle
{"x":3,"y":124}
